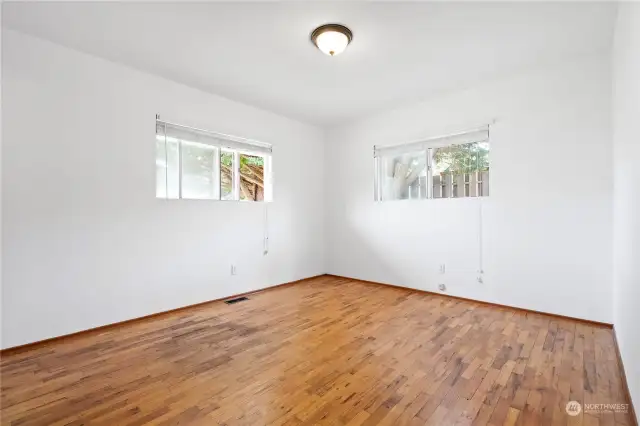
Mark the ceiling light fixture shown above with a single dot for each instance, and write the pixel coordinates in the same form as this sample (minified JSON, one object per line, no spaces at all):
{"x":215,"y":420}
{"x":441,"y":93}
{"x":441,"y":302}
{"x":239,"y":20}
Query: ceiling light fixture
{"x":332,"y":39}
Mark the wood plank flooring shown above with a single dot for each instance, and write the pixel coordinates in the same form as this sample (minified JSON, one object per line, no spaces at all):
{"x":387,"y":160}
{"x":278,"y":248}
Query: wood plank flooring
{"x":328,"y":351}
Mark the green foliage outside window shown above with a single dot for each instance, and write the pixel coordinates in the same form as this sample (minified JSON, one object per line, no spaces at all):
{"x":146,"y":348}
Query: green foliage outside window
{"x":462,"y":159}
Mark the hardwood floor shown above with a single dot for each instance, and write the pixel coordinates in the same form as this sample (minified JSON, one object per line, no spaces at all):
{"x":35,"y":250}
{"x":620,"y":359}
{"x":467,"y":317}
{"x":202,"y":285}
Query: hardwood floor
{"x":326,"y":351}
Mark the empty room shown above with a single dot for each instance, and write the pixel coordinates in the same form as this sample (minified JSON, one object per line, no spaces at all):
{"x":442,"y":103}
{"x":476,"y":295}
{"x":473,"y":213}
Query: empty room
{"x":320,"y":213}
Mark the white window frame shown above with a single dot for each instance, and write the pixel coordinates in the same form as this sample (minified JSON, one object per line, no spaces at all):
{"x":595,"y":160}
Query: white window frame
{"x":477,"y":135}
{"x":219,"y":142}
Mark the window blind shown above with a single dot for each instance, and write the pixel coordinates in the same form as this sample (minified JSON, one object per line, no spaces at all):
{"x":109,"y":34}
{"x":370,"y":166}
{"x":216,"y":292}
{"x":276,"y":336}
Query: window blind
{"x":189,"y":134}
{"x":477,"y":135}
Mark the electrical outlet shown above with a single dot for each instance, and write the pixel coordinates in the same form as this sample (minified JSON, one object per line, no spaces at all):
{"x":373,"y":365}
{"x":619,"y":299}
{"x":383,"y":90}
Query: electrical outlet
{"x":233,"y":270}
{"x":442,"y":268}
{"x":442,"y":287}
{"x":480,"y":280}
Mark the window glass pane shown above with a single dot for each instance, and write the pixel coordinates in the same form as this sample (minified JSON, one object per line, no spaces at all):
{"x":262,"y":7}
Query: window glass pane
{"x":251,"y":177}
{"x":173,"y":168}
{"x":443,"y":162}
{"x":403,"y":176}
{"x":483,"y":168}
{"x":458,"y":170}
{"x":167,"y":170}
{"x":161,"y":168}
{"x":198,"y":171}
{"x":463,"y":165}
{"x":226,"y":175}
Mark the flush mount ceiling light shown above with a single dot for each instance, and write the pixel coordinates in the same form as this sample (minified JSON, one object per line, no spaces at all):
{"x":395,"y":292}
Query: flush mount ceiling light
{"x":332,"y":39}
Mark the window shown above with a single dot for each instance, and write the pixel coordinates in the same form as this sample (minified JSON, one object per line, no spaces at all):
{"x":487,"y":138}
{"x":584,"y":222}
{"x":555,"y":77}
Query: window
{"x":404,"y":176}
{"x":226,"y":174}
{"x":198,"y":171}
{"x":447,"y":167}
{"x":195,"y":164}
{"x":251,"y":177}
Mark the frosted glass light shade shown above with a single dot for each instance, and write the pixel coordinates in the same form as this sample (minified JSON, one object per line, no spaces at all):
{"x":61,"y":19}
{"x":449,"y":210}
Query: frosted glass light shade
{"x":332,"y":39}
{"x":332,"y":42}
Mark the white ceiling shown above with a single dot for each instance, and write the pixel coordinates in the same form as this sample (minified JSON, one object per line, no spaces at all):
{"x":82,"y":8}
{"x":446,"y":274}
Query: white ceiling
{"x":260,"y":53}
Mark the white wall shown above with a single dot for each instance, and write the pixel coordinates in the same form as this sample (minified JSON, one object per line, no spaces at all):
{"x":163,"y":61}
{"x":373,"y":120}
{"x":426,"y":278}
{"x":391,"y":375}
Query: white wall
{"x":626,"y":198}
{"x":546,"y":245}
{"x":0,"y":177}
{"x":85,"y":241}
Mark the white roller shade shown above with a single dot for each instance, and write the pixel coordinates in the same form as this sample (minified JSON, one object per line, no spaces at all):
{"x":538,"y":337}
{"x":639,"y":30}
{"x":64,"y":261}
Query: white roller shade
{"x":189,"y":134}
{"x":476,"y":135}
